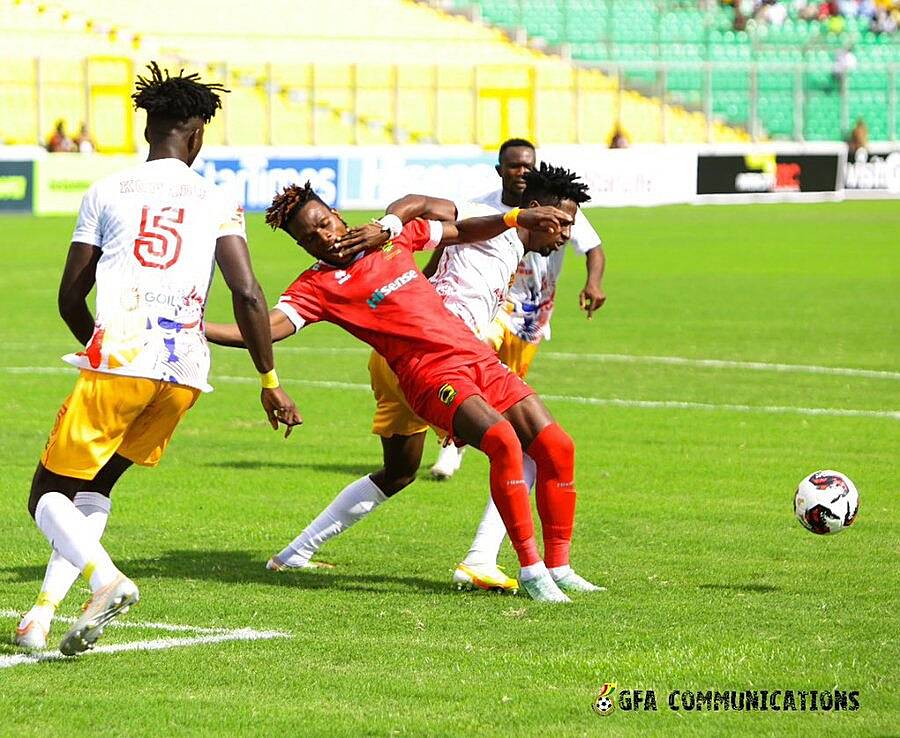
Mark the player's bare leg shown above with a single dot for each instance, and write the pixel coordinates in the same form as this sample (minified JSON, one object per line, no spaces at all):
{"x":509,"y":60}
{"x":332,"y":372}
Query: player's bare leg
{"x":402,"y":456}
{"x":483,"y":427}
{"x":92,"y":501}
{"x":56,"y":516}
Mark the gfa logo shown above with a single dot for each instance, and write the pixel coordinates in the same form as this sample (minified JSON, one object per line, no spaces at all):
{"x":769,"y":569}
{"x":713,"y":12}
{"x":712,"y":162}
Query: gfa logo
{"x":341,"y":276}
{"x":604,"y":704}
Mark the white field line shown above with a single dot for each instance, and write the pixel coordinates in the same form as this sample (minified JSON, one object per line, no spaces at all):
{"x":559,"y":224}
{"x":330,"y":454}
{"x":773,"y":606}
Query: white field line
{"x":610,"y":401}
{"x":678,"y":405}
{"x":170,"y":627}
{"x":761,"y":366}
{"x":207,"y":636}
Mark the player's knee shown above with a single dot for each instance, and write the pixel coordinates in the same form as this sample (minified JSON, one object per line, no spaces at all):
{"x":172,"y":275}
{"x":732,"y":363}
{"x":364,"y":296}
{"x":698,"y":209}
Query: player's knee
{"x":500,"y":442}
{"x":554,"y":448}
{"x":392,"y":481}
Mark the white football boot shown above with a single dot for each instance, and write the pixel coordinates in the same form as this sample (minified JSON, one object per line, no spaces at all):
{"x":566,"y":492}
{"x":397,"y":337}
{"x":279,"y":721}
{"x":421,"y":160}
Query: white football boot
{"x":106,"y":604}
{"x":448,"y":462}
{"x":572,"y":582}
{"x":542,"y":588}
{"x":32,"y":632}
{"x":276,"y":564}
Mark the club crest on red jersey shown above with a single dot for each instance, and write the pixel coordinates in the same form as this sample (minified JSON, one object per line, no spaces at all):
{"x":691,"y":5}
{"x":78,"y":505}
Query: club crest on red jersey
{"x":447,"y":394}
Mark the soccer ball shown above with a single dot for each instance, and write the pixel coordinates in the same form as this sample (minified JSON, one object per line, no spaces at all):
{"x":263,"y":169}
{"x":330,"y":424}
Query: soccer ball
{"x":826,"y":502}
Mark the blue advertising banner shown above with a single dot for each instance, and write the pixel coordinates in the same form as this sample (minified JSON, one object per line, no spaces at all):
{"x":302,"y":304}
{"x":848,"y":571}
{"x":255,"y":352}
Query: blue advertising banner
{"x":255,"y":179}
{"x":16,"y":186}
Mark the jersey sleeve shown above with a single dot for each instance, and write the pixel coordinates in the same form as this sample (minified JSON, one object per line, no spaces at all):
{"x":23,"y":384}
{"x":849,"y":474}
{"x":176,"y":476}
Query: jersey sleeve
{"x":89,"y":228}
{"x":420,"y":235}
{"x":231,"y":220}
{"x":301,"y":303}
{"x":584,"y":237}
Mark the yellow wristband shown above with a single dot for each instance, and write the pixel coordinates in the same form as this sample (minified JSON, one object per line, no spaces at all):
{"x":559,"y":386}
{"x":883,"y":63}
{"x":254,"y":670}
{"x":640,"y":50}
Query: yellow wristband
{"x":269,"y":380}
{"x":511,"y":218}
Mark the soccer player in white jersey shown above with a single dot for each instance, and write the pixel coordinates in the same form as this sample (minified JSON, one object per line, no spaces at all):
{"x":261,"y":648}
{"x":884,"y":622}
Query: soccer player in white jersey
{"x":525,"y":320}
{"x":149,"y":238}
{"x":472,"y":280}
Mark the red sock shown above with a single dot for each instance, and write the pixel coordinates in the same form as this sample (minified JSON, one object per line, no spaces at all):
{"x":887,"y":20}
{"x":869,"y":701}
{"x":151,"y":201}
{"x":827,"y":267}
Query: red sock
{"x":501,"y":445}
{"x":554,"y":453}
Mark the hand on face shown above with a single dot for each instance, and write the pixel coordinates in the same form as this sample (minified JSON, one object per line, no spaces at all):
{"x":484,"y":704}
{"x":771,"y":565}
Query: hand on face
{"x":362,"y":238}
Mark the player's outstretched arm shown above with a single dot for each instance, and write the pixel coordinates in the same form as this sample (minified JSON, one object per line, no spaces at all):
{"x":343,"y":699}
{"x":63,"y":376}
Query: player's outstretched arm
{"x":252,"y":318}
{"x":229,"y":334}
{"x":409,"y":207}
{"x":592,"y":297}
{"x":76,"y":284}
{"x":544,"y":218}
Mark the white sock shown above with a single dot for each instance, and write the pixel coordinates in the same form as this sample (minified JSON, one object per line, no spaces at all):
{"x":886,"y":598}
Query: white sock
{"x":354,"y":502}
{"x":60,"y":574}
{"x":491,"y":531}
{"x":558,"y":572}
{"x":532,"y":571}
{"x":71,"y":535}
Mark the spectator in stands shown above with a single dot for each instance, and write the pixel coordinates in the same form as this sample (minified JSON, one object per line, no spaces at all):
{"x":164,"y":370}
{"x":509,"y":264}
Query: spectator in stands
{"x":618,"y":139}
{"x":60,"y":141}
{"x":84,"y":142}
{"x":844,"y":63}
{"x":859,"y":139}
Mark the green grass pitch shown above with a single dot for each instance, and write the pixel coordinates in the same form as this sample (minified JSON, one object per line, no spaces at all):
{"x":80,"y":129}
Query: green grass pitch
{"x":684,"y":510}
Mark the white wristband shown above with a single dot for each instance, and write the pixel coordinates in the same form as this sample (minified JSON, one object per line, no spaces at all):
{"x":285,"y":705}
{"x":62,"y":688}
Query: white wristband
{"x":391,"y":223}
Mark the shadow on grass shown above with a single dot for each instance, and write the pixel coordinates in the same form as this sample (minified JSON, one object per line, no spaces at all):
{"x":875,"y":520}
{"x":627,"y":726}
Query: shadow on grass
{"x":242,"y":567}
{"x":741,"y":587}
{"x":356,"y":470}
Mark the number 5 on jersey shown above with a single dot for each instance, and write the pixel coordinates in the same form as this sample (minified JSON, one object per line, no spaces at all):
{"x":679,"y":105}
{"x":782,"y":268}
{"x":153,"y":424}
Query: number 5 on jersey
{"x":159,"y":242}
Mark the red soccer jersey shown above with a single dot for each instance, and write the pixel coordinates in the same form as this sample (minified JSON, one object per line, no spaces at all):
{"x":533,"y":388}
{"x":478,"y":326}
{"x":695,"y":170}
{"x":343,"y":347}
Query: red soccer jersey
{"x":385,"y":301}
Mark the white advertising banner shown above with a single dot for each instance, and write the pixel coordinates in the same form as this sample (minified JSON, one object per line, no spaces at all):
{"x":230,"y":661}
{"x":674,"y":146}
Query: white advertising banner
{"x":643,"y":175}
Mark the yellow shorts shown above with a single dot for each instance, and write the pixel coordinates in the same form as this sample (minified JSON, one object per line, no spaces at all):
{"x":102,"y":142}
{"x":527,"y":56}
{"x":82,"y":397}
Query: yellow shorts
{"x":514,"y":352}
{"x":107,"y":414}
{"x":393,"y":415}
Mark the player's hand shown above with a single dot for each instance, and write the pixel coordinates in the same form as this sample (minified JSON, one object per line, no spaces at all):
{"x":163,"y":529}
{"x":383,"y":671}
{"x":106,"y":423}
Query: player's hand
{"x":591,"y":298}
{"x":545,"y":218}
{"x":280,"y":408}
{"x":362,"y":238}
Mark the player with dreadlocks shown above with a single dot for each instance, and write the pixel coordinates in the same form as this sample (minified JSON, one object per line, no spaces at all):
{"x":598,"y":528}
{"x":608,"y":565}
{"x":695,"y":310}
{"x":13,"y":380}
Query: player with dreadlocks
{"x":430,"y":364}
{"x":149,"y":238}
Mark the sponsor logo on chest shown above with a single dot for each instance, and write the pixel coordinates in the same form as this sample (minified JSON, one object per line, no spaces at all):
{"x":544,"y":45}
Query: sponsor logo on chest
{"x":378,"y":296}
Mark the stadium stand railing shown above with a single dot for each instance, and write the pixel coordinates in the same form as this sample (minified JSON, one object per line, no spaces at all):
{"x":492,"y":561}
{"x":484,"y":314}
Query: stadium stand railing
{"x":775,"y":80}
{"x":405,"y":73}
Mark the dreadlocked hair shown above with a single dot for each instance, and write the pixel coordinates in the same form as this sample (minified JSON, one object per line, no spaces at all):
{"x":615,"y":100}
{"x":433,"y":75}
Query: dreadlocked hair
{"x":286,"y":203}
{"x":554,"y":182}
{"x":179,"y":98}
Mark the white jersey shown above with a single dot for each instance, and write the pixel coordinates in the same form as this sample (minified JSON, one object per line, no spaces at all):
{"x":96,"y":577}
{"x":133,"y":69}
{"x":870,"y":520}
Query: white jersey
{"x":156,"y":226}
{"x":473,"y":278}
{"x":529,"y":303}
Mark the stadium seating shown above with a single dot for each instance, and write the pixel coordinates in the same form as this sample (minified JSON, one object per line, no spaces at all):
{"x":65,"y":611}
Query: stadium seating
{"x":676,"y":33}
{"x":380,"y":71}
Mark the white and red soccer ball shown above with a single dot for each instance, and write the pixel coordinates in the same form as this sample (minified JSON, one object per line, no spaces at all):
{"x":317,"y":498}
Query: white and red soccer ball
{"x":826,"y":502}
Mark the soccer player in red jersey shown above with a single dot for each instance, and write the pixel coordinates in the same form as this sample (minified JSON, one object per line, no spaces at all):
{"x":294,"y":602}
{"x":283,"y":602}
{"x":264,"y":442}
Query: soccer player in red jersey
{"x":449,"y":378}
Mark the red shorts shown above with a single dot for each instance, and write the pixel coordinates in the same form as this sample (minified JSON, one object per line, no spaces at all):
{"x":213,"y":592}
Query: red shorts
{"x":436,"y":395}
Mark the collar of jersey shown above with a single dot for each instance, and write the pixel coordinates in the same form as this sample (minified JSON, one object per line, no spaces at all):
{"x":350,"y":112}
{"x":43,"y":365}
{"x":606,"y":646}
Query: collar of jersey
{"x":356,"y":258}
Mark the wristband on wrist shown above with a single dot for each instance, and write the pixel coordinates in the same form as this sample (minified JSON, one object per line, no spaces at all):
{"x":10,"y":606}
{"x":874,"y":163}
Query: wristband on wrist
{"x":392,"y":224}
{"x":511,"y":218}
{"x":269,"y":380}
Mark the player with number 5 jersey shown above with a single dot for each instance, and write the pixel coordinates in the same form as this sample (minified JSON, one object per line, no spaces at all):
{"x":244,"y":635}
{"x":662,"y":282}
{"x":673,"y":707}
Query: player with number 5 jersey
{"x":149,"y":239}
